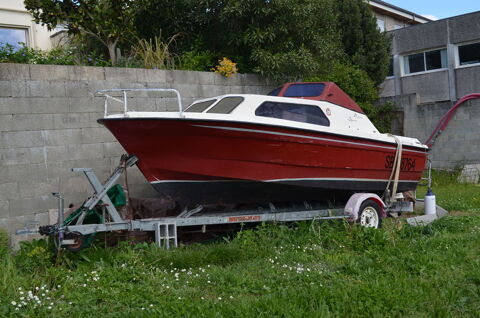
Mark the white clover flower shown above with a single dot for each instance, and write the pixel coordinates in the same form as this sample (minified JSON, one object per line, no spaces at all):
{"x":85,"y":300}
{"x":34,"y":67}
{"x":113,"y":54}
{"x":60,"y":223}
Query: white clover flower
{"x":14,"y":303}
{"x":49,"y":307}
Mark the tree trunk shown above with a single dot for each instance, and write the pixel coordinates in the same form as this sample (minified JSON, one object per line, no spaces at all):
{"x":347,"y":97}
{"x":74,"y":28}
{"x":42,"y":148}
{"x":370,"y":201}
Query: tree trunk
{"x":111,"y":45}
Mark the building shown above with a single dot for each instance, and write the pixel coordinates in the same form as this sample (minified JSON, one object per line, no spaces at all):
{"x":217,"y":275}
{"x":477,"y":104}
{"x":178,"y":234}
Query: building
{"x":434,"y":64}
{"x":390,"y":17}
{"x":16,"y":25}
{"x":439,"y":60}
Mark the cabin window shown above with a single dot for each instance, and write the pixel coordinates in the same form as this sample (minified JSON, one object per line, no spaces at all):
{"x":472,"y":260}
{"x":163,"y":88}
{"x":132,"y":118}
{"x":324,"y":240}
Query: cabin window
{"x":275,"y":92}
{"x":226,"y":105}
{"x":200,"y":107}
{"x":304,"y":90}
{"x":469,"y":54}
{"x":425,"y":61}
{"x":294,"y":112}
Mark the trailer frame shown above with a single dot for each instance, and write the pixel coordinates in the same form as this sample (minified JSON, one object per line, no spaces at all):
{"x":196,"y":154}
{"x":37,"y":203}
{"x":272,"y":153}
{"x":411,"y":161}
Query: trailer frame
{"x":165,"y":228}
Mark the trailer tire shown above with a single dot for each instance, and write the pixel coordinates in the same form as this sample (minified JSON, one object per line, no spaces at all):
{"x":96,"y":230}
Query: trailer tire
{"x":79,"y":239}
{"x":369,"y":214}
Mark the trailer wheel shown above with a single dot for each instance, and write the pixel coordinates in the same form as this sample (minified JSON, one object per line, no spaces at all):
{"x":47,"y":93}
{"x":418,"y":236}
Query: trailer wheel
{"x":79,"y":240}
{"x":369,"y":214}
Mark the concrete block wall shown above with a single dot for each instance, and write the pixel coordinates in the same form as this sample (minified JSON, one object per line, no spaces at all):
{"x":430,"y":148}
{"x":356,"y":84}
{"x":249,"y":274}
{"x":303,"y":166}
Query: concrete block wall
{"x":458,"y":145}
{"x":48,"y":125}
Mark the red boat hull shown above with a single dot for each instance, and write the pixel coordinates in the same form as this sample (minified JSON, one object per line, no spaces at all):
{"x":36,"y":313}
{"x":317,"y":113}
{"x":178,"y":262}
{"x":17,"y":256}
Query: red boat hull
{"x":204,"y":161}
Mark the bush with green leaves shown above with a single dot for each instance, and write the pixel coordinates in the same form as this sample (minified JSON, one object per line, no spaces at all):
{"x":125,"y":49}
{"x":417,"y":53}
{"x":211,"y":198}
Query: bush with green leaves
{"x":3,"y":243}
{"x":28,"y":55}
{"x":361,"y":88}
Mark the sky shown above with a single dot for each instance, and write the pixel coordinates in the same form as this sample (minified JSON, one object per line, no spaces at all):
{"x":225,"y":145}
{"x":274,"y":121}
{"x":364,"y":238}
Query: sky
{"x":437,"y":9}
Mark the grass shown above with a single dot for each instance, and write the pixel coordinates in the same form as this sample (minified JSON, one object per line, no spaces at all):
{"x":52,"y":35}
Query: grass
{"x":451,"y":195}
{"x":316,"y":269}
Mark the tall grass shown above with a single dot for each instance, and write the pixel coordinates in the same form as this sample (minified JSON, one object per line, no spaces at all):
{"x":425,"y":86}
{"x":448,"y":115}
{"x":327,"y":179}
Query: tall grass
{"x":155,"y":53}
{"x":307,"y":270}
{"x":310,"y":269}
{"x":452,"y":195}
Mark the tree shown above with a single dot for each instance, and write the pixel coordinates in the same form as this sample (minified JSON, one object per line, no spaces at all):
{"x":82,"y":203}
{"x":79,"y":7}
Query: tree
{"x":366,"y":46}
{"x":109,"y":21}
{"x":282,"y":39}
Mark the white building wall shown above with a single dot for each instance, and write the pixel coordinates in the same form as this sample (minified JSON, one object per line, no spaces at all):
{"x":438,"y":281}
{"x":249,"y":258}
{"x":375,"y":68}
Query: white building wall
{"x":14,"y":15}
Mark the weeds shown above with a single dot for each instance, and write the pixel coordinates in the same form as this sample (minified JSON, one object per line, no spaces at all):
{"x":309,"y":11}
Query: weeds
{"x":452,"y":195}
{"x":306,"y":269}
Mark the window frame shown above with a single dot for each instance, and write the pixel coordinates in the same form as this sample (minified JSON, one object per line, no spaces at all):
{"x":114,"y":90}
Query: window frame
{"x":19,"y":27}
{"x":457,"y":55}
{"x":404,"y":58}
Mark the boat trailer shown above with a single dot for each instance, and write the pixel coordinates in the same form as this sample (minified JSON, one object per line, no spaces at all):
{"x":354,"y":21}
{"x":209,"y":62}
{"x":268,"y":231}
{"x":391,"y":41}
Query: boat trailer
{"x":73,"y":236}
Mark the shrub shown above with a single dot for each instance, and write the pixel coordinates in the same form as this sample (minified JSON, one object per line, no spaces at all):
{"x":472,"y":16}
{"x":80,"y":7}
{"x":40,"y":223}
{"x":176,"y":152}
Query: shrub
{"x":226,"y":67}
{"x":25,"y":54}
{"x":358,"y":85}
{"x":3,"y":243}
{"x":155,"y":53}
{"x":197,"y":60}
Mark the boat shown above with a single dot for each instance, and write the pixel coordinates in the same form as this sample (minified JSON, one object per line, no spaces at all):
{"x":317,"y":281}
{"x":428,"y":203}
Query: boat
{"x":302,"y":141}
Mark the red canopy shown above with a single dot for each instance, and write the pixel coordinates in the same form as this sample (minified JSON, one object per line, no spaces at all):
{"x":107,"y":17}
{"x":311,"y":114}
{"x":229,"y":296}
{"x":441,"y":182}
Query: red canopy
{"x":330,"y":93}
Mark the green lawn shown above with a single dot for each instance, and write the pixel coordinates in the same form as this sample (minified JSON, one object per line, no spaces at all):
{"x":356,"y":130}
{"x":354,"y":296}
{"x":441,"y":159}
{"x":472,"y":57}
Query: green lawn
{"x":309,"y":270}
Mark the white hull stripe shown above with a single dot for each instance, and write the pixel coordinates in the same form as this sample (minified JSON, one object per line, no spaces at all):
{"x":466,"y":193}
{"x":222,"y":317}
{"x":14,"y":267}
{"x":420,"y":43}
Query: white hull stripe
{"x":306,"y":137}
{"x":280,"y":180}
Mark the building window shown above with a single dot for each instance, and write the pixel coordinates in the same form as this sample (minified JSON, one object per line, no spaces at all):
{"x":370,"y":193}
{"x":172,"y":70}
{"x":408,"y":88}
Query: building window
{"x":381,"y":24}
{"x":13,"y":36}
{"x":425,"y":61}
{"x":390,"y":68}
{"x":469,"y":53}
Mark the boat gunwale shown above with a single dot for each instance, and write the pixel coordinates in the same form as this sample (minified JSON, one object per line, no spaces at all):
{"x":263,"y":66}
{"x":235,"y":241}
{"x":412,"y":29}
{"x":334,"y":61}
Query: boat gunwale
{"x":416,"y":148}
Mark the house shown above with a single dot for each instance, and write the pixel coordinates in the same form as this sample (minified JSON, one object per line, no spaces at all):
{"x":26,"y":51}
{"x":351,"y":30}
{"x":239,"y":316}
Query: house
{"x":390,"y":17}
{"x":16,"y":25}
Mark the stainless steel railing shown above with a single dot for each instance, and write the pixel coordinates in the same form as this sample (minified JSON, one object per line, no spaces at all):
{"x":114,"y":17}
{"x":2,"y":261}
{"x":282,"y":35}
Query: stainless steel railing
{"x":124,"y":101}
